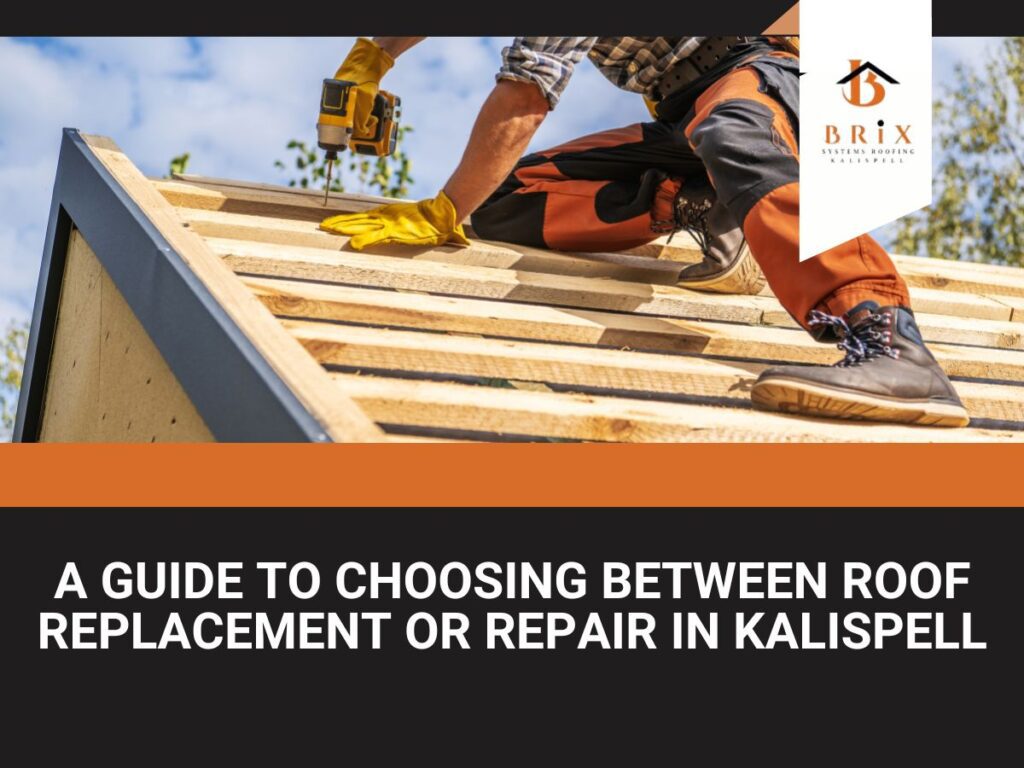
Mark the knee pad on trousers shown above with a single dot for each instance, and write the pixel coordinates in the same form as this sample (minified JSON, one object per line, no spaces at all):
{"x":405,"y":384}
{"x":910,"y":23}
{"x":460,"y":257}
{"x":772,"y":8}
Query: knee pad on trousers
{"x":744,"y":154}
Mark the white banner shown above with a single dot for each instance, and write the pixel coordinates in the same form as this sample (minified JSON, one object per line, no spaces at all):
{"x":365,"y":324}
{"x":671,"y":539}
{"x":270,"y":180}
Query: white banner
{"x":865,"y":117}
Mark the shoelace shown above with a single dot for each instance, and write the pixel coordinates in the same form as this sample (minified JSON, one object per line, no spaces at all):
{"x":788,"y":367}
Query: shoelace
{"x":693,"y":217}
{"x":690,"y":214}
{"x":864,"y":341}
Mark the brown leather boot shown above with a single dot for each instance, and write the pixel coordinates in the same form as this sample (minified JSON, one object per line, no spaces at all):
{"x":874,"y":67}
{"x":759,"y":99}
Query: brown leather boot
{"x":728,"y":265}
{"x":888,"y":374}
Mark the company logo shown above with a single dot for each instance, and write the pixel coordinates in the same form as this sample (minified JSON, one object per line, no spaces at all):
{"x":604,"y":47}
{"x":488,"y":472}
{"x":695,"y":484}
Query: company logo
{"x":872,"y":76}
{"x":857,"y":144}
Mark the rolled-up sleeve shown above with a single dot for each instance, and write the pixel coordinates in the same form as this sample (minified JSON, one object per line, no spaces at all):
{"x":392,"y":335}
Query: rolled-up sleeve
{"x":546,"y":61}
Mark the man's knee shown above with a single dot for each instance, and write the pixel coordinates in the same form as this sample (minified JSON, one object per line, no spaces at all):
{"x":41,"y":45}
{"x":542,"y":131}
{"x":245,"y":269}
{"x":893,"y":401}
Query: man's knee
{"x":744,"y":153}
{"x":512,"y":218}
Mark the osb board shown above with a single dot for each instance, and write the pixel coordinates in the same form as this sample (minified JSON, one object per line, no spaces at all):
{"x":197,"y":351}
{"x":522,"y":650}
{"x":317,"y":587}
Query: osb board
{"x":107,"y":381}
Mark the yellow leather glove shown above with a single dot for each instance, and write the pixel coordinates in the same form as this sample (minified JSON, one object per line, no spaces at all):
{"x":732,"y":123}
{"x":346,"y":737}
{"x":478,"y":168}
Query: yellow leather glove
{"x":428,"y":222}
{"x":365,"y":65}
{"x":652,"y":107}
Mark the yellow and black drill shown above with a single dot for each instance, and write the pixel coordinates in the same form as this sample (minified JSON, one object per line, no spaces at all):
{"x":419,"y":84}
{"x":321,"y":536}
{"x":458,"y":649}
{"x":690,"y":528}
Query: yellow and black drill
{"x":334,"y":127}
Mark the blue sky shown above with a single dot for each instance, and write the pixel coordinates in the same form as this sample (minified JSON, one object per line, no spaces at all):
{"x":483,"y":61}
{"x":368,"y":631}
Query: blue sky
{"x":233,"y":103}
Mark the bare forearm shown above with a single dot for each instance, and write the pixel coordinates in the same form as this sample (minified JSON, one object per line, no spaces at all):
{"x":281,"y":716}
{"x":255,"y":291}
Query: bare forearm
{"x":396,"y":46}
{"x":507,"y":122}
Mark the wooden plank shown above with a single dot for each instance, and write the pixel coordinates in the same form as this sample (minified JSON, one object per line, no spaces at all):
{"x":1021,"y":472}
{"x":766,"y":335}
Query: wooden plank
{"x":107,"y":380}
{"x":223,"y":195}
{"x":1015,"y":304}
{"x":421,"y":439}
{"x":936,"y":273}
{"x":923,"y":300}
{"x":312,"y":195}
{"x":935,"y":302}
{"x":998,"y":402}
{"x":475,"y":316}
{"x":340,"y":418}
{"x":586,"y":417}
{"x":575,"y":366}
{"x":411,"y":351}
{"x":481,"y":282}
{"x":767,"y":343}
{"x":1000,"y":334}
{"x":181,"y":194}
{"x":958,"y":265}
{"x":288,"y":232}
{"x":257,"y":192}
{"x":920,"y":272}
{"x":959,"y":330}
{"x":579,"y":326}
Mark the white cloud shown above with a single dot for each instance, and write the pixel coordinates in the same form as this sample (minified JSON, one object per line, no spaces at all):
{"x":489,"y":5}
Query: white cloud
{"x":13,"y":311}
{"x":962,"y":48}
{"x":947,"y":52}
{"x":144,"y":56}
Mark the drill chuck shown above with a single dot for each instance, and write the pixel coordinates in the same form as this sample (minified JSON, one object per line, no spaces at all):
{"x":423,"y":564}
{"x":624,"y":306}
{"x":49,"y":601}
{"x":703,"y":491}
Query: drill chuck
{"x":333,"y":138}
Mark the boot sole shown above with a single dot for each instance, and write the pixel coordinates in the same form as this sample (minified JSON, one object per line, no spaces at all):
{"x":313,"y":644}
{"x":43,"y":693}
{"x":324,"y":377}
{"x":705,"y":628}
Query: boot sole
{"x":743,"y":277}
{"x":804,"y":398}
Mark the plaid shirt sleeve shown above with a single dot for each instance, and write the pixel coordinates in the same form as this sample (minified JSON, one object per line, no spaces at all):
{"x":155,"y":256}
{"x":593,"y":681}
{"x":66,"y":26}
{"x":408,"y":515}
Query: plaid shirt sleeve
{"x":546,"y":61}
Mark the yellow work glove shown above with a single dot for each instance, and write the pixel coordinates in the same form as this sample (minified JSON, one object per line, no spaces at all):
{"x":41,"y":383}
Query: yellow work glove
{"x":365,"y":65}
{"x":652,"y":107}
{"x":428,"y":222}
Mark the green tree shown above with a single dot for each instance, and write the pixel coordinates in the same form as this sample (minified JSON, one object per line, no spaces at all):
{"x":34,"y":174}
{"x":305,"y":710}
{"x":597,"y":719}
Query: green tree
{"x":388,"y":176}
{"x":12,"y":362}
{"x":978,"y":208}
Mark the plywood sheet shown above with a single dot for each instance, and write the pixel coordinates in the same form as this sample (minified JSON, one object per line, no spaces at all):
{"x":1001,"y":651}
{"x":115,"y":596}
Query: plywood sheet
{"x":108,"y":382}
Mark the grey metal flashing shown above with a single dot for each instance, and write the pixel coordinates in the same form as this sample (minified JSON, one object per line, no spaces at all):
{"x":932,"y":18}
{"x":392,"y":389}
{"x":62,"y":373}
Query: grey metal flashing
{"x":236,"y":391}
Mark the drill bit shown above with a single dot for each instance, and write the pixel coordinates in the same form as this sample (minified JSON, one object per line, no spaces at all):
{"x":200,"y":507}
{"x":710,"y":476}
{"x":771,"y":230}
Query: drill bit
{"x":330,"y":167}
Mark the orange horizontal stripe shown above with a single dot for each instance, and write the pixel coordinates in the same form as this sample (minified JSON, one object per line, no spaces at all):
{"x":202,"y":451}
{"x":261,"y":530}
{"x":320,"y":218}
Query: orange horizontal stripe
{"x":511,"y":474}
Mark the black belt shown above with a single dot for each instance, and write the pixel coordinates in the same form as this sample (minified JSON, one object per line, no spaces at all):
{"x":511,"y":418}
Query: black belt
{"x":707,"y":56}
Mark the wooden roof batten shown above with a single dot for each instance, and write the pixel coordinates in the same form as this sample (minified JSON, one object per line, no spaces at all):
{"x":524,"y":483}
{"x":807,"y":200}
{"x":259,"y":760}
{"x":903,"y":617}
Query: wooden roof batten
{"x":490,"y":342}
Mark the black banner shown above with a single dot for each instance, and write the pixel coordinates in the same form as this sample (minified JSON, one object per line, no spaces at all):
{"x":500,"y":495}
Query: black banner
{"x":546,"y":682}
{"x":459,"y":17}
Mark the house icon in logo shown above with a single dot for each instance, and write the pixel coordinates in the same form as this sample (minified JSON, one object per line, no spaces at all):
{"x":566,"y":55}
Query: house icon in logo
{"x":871,"y":75}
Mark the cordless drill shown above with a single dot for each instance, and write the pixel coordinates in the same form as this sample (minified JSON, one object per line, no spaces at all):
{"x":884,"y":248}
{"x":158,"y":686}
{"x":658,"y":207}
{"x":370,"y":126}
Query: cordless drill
{"x":334,"y":127}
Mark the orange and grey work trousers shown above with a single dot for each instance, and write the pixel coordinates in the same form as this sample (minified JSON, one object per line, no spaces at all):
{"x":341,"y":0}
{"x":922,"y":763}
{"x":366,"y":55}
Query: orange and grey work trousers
{"x":615,"y":190}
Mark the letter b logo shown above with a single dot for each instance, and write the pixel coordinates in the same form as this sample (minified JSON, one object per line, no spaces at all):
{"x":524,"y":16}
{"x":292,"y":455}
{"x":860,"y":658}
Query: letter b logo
{"x":866,"y":92}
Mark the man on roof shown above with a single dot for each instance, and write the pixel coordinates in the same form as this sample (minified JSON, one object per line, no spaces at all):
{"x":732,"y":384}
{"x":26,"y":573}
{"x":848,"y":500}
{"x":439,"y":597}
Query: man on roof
{"x":719,"y":160}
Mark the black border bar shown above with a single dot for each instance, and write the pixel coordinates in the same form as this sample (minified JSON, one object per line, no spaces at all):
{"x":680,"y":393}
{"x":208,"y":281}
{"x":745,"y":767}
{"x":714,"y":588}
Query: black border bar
{"x":461,"y":17}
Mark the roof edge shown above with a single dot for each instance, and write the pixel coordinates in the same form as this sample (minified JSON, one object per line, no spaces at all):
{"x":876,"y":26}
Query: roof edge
{"x":232,"y":385}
